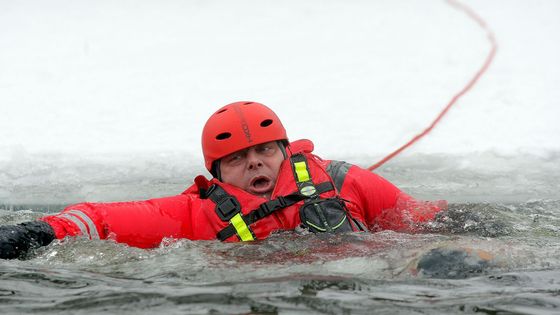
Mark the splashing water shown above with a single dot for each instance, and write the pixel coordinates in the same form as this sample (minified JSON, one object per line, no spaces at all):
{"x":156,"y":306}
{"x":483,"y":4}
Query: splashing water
{"x":310,"y":273}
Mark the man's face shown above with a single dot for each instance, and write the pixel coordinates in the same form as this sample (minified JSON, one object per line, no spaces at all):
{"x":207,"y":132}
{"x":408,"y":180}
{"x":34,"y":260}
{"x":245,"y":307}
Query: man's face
{"x":254,"y":169}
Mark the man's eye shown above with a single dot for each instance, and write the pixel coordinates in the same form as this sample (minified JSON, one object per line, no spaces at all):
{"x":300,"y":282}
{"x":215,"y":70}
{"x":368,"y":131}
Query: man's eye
{"x":234,"y":158}
{"x":266,"y":148}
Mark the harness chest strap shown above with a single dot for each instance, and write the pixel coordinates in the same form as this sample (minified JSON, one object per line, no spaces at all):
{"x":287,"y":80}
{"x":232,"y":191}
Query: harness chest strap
{"x":229,"y":209}
{"x":265,"y":209}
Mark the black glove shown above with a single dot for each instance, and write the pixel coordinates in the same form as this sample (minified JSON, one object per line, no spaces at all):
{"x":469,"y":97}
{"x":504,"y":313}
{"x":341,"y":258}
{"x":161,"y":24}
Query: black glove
{"x":17,"y":240}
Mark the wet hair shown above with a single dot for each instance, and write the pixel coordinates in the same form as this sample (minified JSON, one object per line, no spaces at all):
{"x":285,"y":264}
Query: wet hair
{"x":215,"y":170}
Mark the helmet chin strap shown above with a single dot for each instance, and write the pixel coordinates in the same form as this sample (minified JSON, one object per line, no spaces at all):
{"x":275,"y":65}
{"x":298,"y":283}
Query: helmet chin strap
{"x":282,"y":146}
{"x":215,"y":171}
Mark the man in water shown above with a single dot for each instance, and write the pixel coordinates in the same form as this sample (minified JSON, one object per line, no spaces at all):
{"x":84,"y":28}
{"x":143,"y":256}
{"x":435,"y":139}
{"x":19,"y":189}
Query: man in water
{"x":261,"y":183}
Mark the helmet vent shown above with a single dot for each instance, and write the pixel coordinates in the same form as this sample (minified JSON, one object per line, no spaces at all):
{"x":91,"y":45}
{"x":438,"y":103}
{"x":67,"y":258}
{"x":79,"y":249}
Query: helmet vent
{"x":221,"y":111}
{"x":248,"y":103}
{"x":223,"y":136}
{"x":266,"y":123}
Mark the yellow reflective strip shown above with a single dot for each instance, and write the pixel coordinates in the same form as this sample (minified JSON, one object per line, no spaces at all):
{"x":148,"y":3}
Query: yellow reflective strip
{"x":338,"y":225}
{"x":241,"y":228}
{"x":301,"y":171}
{"x":315,"y":226}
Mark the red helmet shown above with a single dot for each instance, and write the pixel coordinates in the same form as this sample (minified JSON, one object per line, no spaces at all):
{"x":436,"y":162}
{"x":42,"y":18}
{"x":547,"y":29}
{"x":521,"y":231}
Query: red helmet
{"x":238,"y":126}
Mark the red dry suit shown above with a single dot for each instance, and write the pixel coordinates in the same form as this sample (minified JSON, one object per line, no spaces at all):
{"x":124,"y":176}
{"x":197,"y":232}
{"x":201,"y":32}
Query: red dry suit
{"x":371,"y":202}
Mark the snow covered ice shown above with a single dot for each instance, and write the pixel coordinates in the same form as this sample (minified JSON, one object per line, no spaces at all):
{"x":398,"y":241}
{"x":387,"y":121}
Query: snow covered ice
{"x":113,"y":92}
{"x":105,"y":101}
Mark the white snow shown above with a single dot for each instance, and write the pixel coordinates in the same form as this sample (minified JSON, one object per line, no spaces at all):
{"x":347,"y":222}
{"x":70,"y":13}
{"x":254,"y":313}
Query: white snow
{"x":360,"y":78}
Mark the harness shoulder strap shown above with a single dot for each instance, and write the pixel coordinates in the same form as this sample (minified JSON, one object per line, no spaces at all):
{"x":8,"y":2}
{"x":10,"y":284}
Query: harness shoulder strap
{"x":228,"y":208}
{"x":338,"y":170}
{"x":302,"y":176}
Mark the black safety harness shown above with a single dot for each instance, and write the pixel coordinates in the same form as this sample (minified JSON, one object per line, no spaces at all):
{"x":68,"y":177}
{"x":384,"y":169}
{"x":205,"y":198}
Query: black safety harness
{"x":228,"y":207}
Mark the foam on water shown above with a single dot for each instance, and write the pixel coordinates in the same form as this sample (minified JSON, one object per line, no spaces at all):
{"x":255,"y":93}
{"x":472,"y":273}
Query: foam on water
{"x":515,"y":218}
{"x":288,"y":272}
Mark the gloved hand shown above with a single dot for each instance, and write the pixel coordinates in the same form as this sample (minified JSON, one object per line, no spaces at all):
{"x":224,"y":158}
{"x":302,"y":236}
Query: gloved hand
{"x":17,"y":240}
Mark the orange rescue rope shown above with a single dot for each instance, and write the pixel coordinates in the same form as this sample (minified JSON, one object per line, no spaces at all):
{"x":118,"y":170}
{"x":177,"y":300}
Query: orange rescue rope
{"x":462,"y":92}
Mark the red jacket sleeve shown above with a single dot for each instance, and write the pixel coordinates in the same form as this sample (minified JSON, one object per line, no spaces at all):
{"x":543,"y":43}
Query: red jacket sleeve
{"x":140,"y":223}
{"x":383,"y":205}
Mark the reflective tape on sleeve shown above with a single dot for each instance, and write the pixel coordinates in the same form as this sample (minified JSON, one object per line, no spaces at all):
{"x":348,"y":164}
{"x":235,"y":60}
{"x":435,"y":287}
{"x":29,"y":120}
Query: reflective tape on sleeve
{"x":83,"y":230}
{"x":241,"y":228}
{"x":92,"y":228}
{"x":75,"y":215}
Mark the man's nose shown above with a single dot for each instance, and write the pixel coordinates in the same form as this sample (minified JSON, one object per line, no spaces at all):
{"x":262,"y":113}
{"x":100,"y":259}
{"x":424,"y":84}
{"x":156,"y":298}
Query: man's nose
{"x":253,"y":160}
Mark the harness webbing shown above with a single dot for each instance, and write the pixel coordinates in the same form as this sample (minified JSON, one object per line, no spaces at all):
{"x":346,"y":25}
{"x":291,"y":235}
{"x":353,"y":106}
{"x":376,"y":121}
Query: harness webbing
{"x":228,"y":208}
{"x":302,"y":176}
{"x":242,"y":228}
{"x":267,"y":208}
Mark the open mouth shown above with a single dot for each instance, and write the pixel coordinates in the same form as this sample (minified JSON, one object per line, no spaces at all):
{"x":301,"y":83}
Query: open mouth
{"x":261,"y":184}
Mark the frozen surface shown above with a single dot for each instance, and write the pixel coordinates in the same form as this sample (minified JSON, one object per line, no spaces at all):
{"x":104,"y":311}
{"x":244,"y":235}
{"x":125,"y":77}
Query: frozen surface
{"x":118,"y":91}
{"x":106,"y":76}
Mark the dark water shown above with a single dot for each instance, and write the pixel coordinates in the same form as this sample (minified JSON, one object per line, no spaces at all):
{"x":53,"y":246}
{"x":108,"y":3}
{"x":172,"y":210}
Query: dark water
{"x":293,"y":273}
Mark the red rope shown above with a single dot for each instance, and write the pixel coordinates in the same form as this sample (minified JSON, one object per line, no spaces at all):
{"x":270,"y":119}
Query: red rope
{"x":462,"y":92}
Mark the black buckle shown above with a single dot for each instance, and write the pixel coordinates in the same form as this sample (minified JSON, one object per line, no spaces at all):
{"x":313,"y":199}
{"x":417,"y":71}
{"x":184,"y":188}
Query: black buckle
{"x":227,"y":208}
{"x":270,"y":206}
